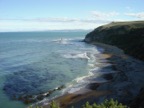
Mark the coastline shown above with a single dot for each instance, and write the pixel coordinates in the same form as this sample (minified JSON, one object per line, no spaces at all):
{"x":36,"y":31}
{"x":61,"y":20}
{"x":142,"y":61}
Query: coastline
{"x":72,"y":99}
{"x":121,"y":85}
{"x":128,"y":82}
{"x":90,"y":93}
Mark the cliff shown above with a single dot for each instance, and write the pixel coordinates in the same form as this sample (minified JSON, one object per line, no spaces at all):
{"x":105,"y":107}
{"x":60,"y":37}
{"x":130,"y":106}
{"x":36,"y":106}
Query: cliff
{"x":128,"y":36}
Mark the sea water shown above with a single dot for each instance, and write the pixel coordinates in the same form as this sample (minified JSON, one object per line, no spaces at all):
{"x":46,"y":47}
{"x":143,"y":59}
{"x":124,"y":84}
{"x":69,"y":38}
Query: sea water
{"x":36,"y":62}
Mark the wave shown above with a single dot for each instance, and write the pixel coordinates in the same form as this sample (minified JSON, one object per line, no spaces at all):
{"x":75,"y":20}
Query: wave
{"x":78,"y":83}
{"x":69,"y":41}
{"x":62,"y":41}
{"x":74,"y":89}
{"x":91,"y":65}
{"x":96,"y":69}
{"x":83,"y":78}
{"x":76,"y":55}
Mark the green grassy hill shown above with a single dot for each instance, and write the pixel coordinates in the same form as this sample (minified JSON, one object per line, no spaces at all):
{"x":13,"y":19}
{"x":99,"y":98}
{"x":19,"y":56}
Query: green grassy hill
{"x":129,"y":36}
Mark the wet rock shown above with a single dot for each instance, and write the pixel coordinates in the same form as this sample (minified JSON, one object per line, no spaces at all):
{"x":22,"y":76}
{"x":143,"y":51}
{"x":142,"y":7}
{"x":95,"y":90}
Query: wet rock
{"x":34,"y":98}
{"x":61,"y":87}
{"x":40,"y":97}
{"x":47,"y":95}
{"x":93,"y":86}
{"x":27,"y":99}
{"x":25,"y":81}
{"x":108,"y":76}
{"x":138,"y":101}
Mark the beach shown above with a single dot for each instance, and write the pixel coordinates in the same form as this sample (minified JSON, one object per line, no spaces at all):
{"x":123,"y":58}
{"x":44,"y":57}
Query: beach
{"x":90,"y":92}
{"x":120,"y":85}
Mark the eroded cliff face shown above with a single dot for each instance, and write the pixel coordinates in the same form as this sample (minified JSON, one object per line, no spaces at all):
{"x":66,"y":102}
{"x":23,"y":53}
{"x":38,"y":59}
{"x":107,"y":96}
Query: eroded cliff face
{"x":129,"y":36}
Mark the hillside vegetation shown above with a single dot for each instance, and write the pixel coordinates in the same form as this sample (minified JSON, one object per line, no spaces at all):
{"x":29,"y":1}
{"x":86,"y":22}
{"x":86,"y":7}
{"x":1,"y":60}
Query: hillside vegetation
{"x":106,"y":104}
{"x":129,"y":36}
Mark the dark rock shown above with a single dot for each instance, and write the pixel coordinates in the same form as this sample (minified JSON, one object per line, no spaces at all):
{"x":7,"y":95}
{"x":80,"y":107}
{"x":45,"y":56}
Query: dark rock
{"x":27,"y":99}
{"x":108,"y":76}
{"x":47,"y":95}
{"x":30,"y":100}
{"x":61,"y":87}
{"x":26,"y":80}
{"x":40,"y":97}
{"x":93,"y":86}
{"x":138,"y":102}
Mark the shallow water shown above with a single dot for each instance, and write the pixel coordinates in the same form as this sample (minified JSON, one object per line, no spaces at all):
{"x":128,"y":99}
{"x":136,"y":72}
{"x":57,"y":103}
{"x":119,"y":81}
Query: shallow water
{"x":36,"y":62}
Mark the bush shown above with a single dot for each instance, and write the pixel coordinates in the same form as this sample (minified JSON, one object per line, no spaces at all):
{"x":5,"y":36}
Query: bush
{"x":35,"y":107}
{"x":106,"y":104}
{"x":53,"y":104}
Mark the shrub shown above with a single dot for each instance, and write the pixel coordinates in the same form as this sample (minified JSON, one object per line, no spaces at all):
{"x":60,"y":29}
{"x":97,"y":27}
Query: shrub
{"x":106,"y":104}
{"x":53,"y":104}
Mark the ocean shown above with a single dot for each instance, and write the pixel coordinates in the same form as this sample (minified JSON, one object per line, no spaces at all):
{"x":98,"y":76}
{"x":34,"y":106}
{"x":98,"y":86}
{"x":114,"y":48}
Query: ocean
{"x":33,"y":63}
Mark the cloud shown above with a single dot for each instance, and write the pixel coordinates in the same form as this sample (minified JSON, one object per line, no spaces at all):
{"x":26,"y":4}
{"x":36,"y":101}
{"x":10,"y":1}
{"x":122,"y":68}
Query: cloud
{"x":52,"y":19}
{"x":59,"y":20}
{"x":66,"y":20}
{"x":137,"y":15}
{"x":43,"y":19}
{"x":94,"y":21}
{"x":49,"y":24}
{"x":103,"y":15}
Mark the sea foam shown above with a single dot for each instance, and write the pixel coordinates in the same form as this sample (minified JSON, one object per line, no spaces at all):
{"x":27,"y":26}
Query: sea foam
{"x":76,"y":55}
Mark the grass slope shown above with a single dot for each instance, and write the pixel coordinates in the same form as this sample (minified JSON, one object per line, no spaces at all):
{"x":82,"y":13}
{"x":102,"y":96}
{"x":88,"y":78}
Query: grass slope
{"x":128,"y":36}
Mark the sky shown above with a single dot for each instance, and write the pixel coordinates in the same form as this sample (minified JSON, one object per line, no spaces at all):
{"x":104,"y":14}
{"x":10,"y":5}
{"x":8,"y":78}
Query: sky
{"x":41,"y":15}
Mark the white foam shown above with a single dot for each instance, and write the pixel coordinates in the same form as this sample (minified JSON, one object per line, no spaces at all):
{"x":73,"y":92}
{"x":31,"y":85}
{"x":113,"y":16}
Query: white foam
{"x":69,"y":85}
{"x":80,"y":83}
{"x":91,"y":65}
{"x":76,"y":55}
{"x":80,"y":79}
{"x":95,"y":69}
{"x":62,"y":41}
{"x":72,"y":90}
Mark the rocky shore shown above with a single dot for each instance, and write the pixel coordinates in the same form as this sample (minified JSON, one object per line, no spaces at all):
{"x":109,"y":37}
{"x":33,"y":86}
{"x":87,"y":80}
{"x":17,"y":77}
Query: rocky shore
{"x":127,"y":85}
{"x":123,"y":85}
{"x":128,"y":82}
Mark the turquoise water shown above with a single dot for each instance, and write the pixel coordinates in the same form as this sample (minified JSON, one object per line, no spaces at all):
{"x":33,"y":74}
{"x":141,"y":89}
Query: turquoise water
{"x":35,"y":62}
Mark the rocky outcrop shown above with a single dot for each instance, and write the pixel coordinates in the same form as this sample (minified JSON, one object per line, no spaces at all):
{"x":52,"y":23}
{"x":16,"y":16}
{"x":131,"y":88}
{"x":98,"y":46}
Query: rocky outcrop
{"x":29,"y":98}
{"x":129,"y":36}
{"x":138,"y":102}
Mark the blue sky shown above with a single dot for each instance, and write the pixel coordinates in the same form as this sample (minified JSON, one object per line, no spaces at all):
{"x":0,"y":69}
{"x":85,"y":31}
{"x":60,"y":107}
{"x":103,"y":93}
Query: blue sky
{"x":33,"y":15}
